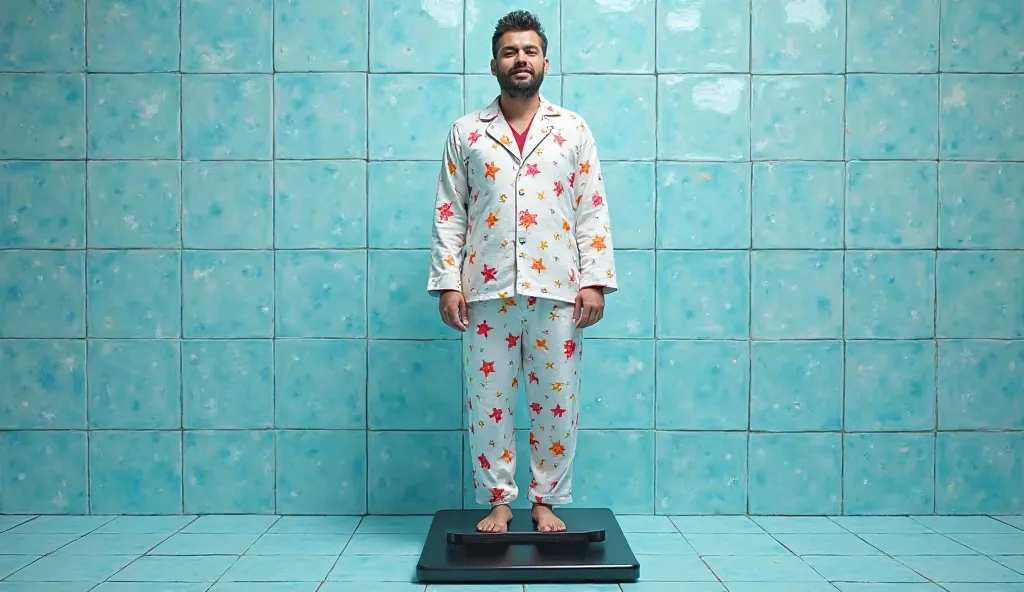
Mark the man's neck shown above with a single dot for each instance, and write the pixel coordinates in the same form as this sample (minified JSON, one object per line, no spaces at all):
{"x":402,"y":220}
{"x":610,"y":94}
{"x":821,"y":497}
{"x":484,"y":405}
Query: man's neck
{"x":519,"y":109}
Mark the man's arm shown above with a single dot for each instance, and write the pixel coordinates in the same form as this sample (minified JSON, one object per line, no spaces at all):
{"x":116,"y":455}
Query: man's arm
{"x":448,"y":235}
{"x":593,"y":224}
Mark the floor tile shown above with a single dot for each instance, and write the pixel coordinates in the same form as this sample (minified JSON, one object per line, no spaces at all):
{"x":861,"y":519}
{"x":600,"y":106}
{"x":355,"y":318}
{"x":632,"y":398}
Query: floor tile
{"x":176,"y":569}
{"x":375,"y":568}
{"x":112,"y":544}
{"x":762,"y":569}
{"x":861,"y":569}
{"x":394,"y":524}
{"x":33,"y":544}
{"x":51,"y":587}
{"x":916,"y":544}
{"x":826,"y":544}
{"x":300,"y":544}
{"x":1014,"y":562}
{"x":993,"y":544}
{"x":656,"y":524}
{"x":970,"y":568}
{"x":12,"y":563}
{"x":385,"y":544}
{"x":279,"y":569}
{"x":472,"y":587}
{"x":674,"y":568}
{"x":206,"y":544}
{"x":877,"y":587}
{"x":965,"y":524}
{"x":265,"y":587}
{"x":716,"y":525}
{"x":736,"y":544}
{"x":881,"y":525}
{"x":241,"y":524}
{"x":798,"y":524}
{"x":315,"y":525}
{"x":650,"y":543}
{"x":780,"y":587}
{"x":61,"y":525}
{"x":150,"y":587}
{"x":1014,"y":521}
{"x":145,"y":524}
{"x":984,"y":587}
{"x":377,"y":587}
{"x":72,"y":568}
{"x":572,"y":588}
{"x":8,"y":522}
{"x":669,"y":587}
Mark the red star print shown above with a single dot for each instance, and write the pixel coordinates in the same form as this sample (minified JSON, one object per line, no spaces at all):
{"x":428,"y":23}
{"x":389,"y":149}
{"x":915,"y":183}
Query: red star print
{"x":533,"y":378}
{"x":535,"y":407}
{"x":570,"y":348}
{"x":495,"y":415}
{"x":531,"y":170}
{"x":597,"y":200}
{"x":489,"y":273}
{"x":572,"y":179}
{"x":487,"y":368}
{"x":533,"y":441}
{"x":559,"y":139}
{"x":512,"y":340}
{"x":558,"y":411}
{"x":444,"y":213}
{"x":497,"y":494}
{"x":558,"y":188}
{"x":484,"y":463}
{"x":526,"y":219}
{"x":483,"y":328}
{"x":473,"y":137}
{"x":531,"y":301}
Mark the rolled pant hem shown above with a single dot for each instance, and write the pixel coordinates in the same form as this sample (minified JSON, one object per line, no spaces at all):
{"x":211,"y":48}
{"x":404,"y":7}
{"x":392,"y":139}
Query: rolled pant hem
{"x":560,"y":500}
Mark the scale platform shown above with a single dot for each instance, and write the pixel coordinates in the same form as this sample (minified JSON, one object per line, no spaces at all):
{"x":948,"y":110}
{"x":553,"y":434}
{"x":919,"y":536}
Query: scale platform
{"x":592,"y":549}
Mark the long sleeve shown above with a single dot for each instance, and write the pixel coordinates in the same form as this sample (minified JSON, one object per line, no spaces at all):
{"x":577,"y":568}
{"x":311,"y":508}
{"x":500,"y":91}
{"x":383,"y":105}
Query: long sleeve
{"x":593,"y":224}
{"x":448,"y":235}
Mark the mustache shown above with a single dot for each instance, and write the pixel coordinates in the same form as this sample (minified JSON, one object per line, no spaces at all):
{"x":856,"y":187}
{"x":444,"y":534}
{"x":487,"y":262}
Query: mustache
{"x":521,"y":69}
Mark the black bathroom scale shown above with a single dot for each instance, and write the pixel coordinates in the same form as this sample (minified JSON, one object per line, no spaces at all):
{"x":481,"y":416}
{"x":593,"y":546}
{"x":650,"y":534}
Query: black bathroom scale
{"x":592,"y":549}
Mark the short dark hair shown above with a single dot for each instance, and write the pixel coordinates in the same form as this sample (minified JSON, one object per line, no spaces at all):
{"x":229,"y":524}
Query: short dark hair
{"x":518,"y":20}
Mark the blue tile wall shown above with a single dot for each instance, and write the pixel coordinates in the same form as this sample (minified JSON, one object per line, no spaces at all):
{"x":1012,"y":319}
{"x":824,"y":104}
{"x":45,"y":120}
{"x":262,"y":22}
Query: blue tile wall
{"x":215,"y":216}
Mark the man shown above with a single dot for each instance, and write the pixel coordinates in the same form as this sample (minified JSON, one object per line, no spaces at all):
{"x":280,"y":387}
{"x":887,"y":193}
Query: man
{"x":521,"y":255}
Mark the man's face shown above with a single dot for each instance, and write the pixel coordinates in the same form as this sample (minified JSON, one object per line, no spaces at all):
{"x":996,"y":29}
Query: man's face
{"x":520,"y":66}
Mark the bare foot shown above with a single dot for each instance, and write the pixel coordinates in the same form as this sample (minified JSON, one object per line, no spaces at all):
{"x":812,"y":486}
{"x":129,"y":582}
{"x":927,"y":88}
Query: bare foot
{"x":546,"y":519}
{"x":497,"y":520}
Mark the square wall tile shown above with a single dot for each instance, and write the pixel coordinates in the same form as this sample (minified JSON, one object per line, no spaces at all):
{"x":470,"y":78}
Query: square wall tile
{"x":227,"y":205}
{"x":483,"y":15}
{"x":51,"y":116}
{"x":228,"y":293}
{"x":229,"y":472}
{"x":227,"y":384}
{"x":982,"y":36}
{"x":321,"y":36}
{"x":399,"y":305}
{"x":45,"y":472}
{"x":975,"y":115}
{"x":414,"y":472}
{"x":134,"y":204}
{"x":43,"y":37}
{"x":134,"y":384}
{"x":704,"y":117}
{"x":797,"y":117}
{"x":614,"y":469}
{"x":889,"y":294}
{"x":798,"y":205}
{"x":796,"y":294}
{"x":134,"y":116}
{"x":804,"y":38}
{"x":891,"y":205}
{"x":890,"y":386}
{"x":433,"y":101}
{"x":321,"y":472}
{"x":44,"y":294}
{"x":892,"y":116}
{"x":703,"y":205}
{"x":134,"y":294}
{"x":400,"y":32}
{"x":213,"y":33}
{"x":320,"y":204}
{"x":705,"y":385}
{"x":979,"y":294}
{"x":480,"y":90}
{"x":629,"y":313}
{"x":796,"y":386}
{"x":144,"y":38}
{"x":980,"y":385}
{"x":701,"y":473}
{"x":886,"y":474}
{"x":699,"y":37}
{"x":320,"y":383}
{"x":400,"y":201}
{"x":796,"y":474}
{"x":319,"y":115}
{"x":631,"y":203}
{"x":414,"y":385}
{"x":618,"y":378}
{"x":135,"y":472}
{"x":981,"y":205}
{"x":613,"y":37}
{"x":320,"y":293}
{"x":45,"y":205}
{"x":978,"y":473}
{"x":703,"y":294}
{"x":227,"y":116}
{"x":44,"y":384}
{"x":620,"y":111}
{"x":878,"y":39}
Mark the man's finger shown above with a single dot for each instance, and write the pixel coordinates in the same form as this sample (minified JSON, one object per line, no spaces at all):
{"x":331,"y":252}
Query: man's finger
{"x":584,"y":316}
{"x":576,"y":310}
{"x":444,"y":317}
{"x":456,"y":317}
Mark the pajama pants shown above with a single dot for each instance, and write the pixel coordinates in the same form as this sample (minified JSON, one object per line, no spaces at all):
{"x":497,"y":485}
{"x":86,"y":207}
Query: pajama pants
{"x":535,"y":340}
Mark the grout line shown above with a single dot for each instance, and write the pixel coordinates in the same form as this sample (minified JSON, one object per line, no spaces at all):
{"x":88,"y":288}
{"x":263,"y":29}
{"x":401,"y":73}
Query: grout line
{"x":750,"y":248}
{"x":935,"y":266}
{"x":85,"y":263}
{"x":366,"y":266}
{"x":273,"y":243}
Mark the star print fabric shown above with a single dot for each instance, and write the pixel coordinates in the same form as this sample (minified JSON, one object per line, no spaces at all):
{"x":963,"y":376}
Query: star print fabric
{"x":534,"y":340}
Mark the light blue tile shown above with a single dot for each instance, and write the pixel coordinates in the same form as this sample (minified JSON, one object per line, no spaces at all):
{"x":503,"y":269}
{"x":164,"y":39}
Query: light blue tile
{"x":889,"y":295}
{"x":952,"y":525}
{"x":377,"y":586}
{"x":300,"y":544}
{"x":1005,"y":548}
{"x":227,"y":116}
{"x":51,"y":116}
{"x":618,"y":378}
{"x":377,"y":569}
{"x":43,"y":37}
{"x":749,"y":545}
{"x":175,"y":569}
{"x":231,"y":524}
{"x":320,"y":383}
{"x":44,"y":204}
{"x":72,"y":568}
{"x":796,"y":386}
{"x":134,"y":293}
{"x":44,"y":472}
{"x":321,"y":472}
{"x":223,"y":586}
{"x":629,"y":313}
{"x":228,"y":293}
{"x":645,"y":524}
{"x":798,"y":205}
{"x":214,"y":33}
{"x":315,"y":525}
{"x":133,"y":36}
{"x":982,"y":36}
{"x":797,"y":117}
{"x":433,"y":101}
{"x":979,"y":294}
{"x":881,"y":525}
{"x":399,"y":306}
{"x":279,"y":569}
{"x":703,"y":206}
{"x":975,"y":117}
{"x":820,"y":586}
{"x":36,"y":544}
{"x":916,"y":544}
{"x":134,"y":384}
{"x":716,"y":525}
{"x":320,"y":204}
{"x":956,"y":569}
{"x":134,"y":116}
{"x":394,"y":524}
{"x":892,"y":116}
{"x":902,"y":587}
{"x":135,"y":473}
{"x":399,"y":31}
{"x":710,"y":382}
{"x":862,"y":569}
{"x":675,"y":568}
{"x":979,"y":385}
{"x":797,"y":294}
{"x":227,"y":384}
{"x":481,"y":18}
{"x":414,"y":385}
{"x":229,"y":472}
{"x":890,"y":385}
{"x":600,"y":30}
{"x":12,"y":563}
{"x":615,"y":469}
{"x":981,"y":205}
{"x":700,"y":37}
{"x":64,"y":524}
{"x":976,"y":473}
{"x":434,"y":457}
{"x":45,"y":294}
{"x":386,"y":544}
{"x":701,"y":473}
{"x":310,"y":35}
{"x":842,"y":543}
{"x":620,"y":111}
{"x":714,"y":111}
{"x":400,"y":199}
{"x":44,"y":384}
{"x":800,"y":525}
{"x":134,"y":204}
{"x":62,"y":587}
{"x":795,"y":474}
{"x":630,"y":187}
{"x":673,"y":587}
{"x":320,"y":115}
{"x":891,"y":205}
{"x":205,"y":544}
{"x":803,"y":38}
{"x":879,"y":40}
{"x":320,"y":293}
{"x":889,"y":474}
{"x":766,"y":568}
{"x":703,"y":294}
{"x":571,"y":588}
{"x":131,"y":525}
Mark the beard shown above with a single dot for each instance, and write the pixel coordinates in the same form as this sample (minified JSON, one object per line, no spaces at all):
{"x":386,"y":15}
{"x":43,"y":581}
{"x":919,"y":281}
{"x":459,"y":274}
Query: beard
{"x":517,"y":88}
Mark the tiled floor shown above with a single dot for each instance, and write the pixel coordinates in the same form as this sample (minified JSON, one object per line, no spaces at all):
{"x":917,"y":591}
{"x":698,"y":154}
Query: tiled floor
{"x":378,"y":554}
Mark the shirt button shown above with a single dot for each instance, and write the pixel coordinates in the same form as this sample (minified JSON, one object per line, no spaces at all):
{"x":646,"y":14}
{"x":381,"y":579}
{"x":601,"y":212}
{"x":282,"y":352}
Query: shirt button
{"x":522,"y":240}
{"x":522,"y":192}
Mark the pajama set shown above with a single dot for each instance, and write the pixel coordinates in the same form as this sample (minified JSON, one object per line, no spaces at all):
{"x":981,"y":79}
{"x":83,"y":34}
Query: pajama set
{"x":520,"y":226}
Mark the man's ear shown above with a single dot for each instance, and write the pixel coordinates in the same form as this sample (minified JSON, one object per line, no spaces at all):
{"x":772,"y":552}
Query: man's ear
{"x":494,"y":67}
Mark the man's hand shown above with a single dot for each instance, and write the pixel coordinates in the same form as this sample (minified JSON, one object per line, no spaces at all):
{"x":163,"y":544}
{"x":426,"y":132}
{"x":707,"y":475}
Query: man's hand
{"x":452,"y":306}
{"x":589,"y":307}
